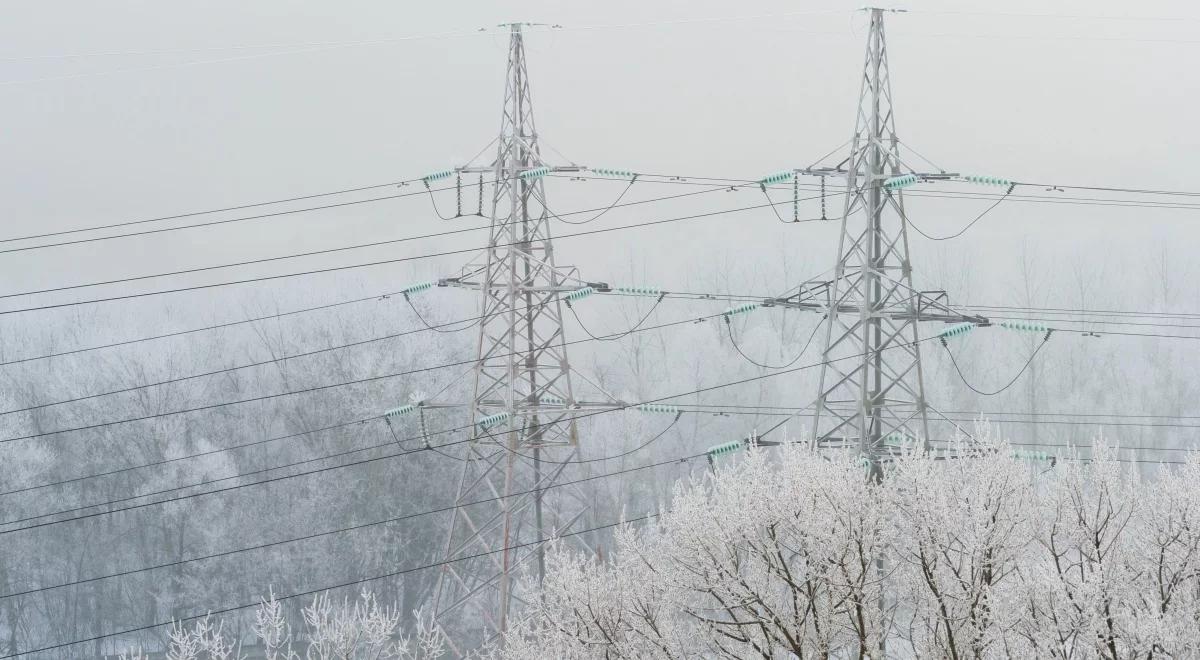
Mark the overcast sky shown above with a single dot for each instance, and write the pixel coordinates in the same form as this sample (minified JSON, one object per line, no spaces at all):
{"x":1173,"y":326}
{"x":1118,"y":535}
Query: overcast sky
{"x":103,"y":138}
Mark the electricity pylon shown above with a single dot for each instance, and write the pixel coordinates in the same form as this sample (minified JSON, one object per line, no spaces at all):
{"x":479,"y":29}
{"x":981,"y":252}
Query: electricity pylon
{"x":523,"y":401}
{"x":872,"y":383}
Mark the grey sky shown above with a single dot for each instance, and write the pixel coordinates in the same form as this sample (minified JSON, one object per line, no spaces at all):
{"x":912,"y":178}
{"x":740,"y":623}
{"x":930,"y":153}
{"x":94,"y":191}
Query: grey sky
{"x":1101,"y":102}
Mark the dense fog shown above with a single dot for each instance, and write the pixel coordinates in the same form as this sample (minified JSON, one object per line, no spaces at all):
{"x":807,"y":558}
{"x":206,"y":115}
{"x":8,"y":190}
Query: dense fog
{"x":144,"y":428}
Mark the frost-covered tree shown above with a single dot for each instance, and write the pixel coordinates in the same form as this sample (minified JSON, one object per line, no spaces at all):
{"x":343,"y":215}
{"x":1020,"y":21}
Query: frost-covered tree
{"x":962,"y":528}
{"x":766,"y":560}
{"x":348,"y":630}
{"x":969,"y":552}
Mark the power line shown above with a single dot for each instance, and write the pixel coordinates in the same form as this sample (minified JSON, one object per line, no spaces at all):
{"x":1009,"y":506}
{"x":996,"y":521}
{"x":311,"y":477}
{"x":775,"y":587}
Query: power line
{"x":426,"y":327}
{"x":785,"y":411}
{"x":1055,"y":312}
{"x":250,"y":262}
{"x":1059,"y":422}
{"x":617,"y":335}
{"x":331,"y":250}
{"x":800,"y":354}
{"x":1007,"y":385}
{"x":1049,"y":310}
{"x":208,"y":482}
{"x":303,"y":254}
{"x":333,"y":532}
{"x":966,"y":227}
{"x":1097,"y":312}
{"x":295,"y":464}
{"x":422,"y":437}
{"x":359,"y":581}
{"x":241,"y":475}
{"x":702,"y":295}
{"x":218,"y":326}
{"x":208,"y":212}
{"x":358,"y":381}
{"x":213,"y":223}
{"x":677,"y":179}
{"x":788,"y":416}
{"x":951,"y":194}
{"x":249,"y":365}
{"x":615,"y":204}
{"x":629,"y":452}
{"x":436,"y":327}
{"x":341,"y":425}
{"x":343,"y":530}
{"x":753,"y":298}
{"x":293,"y":435}
{"x":637,"y":328}
{"x":187,"y":457}
{"x":205,"y":328}
{"x":318,"y":388}
{"x":414,"y":569}
{"x":1051,"y":314}
{"x":984,"y":413}
{"x":1048,"y":199}
{"x":331,"y":269}
{"x":668,"y":179}
{"x":1093,"y":322}
{"x":1122,"y":333}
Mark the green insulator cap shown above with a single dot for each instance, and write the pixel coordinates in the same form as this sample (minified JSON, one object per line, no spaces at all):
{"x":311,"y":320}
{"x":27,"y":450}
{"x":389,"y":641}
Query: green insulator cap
{"x":437,"y":175}
{"x":776,"y":177}
{"x":741,"y":309}
{"x":988,"y":180}
{"x":493,"y":420}
{"x":534,"y":173}
{"x":639,"y":290}
{"x":1031,"y":455}
{"x":725,"y":448}
{"x":955,"y":330}
{"x":580,"y":293}
{"x":657,"y":408}
{"x":1024,"y":326}
{"x":402,"y":410}
{"x":604,"y":171}
{"x":415,"y":288}
{"x":902,"y":181}
{"x":895,"y":439}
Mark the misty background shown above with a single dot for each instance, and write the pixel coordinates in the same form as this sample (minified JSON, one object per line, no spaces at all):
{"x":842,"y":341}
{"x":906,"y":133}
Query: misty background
{"x":276,"y":100}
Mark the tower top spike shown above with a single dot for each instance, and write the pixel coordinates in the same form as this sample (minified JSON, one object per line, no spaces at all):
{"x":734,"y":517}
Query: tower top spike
{"x":516,"y":26}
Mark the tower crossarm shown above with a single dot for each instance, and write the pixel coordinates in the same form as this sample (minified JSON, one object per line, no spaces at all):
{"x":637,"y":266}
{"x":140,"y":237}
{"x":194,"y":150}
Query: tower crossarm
{"x":438,"y":405}
{"x":842,"y":172}
{"x":485,"y":169}
{"x":466,"y":282}
{"x":533,"y":407}
{"x":928,"y":306}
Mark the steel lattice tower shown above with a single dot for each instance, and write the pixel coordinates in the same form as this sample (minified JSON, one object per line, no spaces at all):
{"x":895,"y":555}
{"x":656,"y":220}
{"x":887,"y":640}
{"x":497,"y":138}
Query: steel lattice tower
{"x":523,"y":404}
{"x":872,"y":383}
